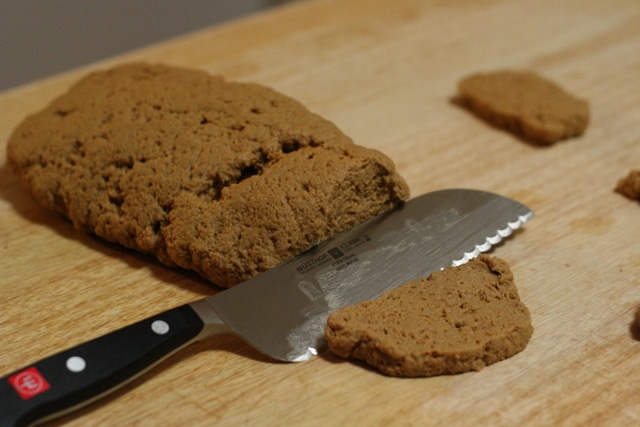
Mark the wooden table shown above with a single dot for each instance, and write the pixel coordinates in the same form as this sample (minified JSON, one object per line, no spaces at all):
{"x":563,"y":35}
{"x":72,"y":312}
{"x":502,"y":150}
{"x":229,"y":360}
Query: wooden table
{"x":385,"y":72}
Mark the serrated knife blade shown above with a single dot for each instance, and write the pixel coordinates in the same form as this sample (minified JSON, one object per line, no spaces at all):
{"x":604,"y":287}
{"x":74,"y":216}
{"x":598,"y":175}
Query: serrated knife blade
{"x":281,"y":312}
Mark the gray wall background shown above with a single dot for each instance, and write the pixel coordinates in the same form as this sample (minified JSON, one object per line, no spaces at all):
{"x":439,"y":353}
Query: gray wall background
{"x":39,"y":38}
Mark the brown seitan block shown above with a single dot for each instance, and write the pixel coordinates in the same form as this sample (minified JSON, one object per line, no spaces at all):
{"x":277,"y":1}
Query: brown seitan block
{"x":629,"y":186}
{"x":227,"y":179}
{"x":457,"y":320}
{"x":525,"y":104}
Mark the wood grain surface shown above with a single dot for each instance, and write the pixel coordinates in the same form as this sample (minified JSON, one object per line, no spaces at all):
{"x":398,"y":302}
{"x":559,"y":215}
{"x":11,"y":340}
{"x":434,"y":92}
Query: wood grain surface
{"x":385,"y":72}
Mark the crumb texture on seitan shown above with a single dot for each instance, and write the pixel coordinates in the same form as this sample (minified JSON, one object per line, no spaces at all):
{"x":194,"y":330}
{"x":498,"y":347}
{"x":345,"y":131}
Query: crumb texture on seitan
{"x":457,"y":320}
{"x":227,"y":179}
{"x":526,"y":104}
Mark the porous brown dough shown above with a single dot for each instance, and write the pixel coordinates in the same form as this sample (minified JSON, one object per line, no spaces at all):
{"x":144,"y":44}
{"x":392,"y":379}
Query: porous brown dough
{"x":457,"y":320}
{"x":227,"y":179}
{"x":526,"y":104}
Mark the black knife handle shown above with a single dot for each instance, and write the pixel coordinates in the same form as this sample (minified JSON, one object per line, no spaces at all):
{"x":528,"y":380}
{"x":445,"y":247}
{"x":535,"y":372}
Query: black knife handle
{"x":84,"y":373}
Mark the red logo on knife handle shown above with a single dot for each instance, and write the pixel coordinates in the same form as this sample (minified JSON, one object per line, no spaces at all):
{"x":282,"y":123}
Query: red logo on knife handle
{"x":29,"y":383}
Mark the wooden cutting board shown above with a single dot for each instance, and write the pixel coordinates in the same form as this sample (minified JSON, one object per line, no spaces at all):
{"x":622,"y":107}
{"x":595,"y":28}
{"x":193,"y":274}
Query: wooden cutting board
{"x":385,"y":72}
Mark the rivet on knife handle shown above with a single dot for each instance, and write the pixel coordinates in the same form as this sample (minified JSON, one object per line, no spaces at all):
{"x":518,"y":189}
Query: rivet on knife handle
{"x":77,"y":376}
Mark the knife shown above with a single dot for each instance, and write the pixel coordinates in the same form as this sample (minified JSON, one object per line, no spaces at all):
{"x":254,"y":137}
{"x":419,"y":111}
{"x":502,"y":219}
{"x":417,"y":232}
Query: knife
{"x":281,"y":312}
